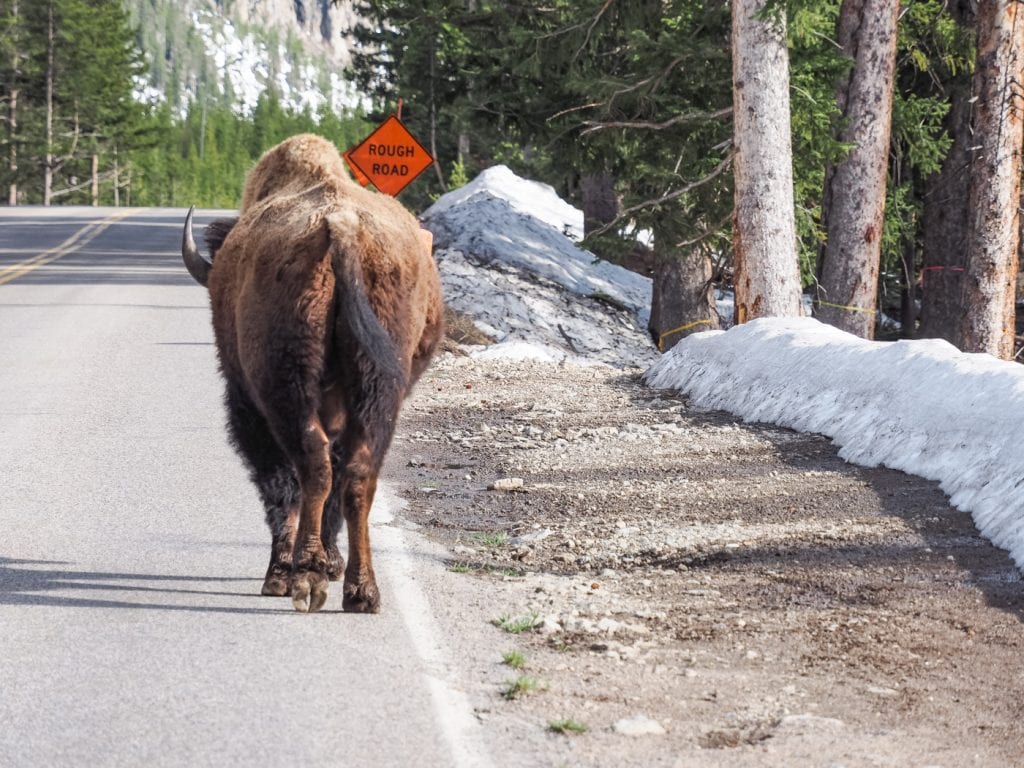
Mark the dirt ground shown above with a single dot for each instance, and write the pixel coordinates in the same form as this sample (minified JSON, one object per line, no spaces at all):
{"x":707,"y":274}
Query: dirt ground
{"x":695,"y":591}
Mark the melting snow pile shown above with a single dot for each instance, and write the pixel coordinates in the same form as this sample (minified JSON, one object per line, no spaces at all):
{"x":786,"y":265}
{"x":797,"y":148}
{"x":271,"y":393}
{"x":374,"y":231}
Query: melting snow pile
{"x":508,"y":259}
{"x":919,"y":406}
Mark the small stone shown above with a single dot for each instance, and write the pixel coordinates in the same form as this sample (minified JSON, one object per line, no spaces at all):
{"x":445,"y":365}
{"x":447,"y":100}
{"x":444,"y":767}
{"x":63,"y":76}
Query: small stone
{"x":506,"y":484}
{"x":549,"y":626}
{"x":879,"y":691}
{"x":530,"y":538}
{"x":638,"y":725}
{"x":522,"y":553}
{"x":417,"y":461}
{"x":805,"y":723}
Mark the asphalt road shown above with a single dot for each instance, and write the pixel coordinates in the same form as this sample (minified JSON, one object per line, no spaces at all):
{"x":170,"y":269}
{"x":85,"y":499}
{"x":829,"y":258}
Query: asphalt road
{"x":132,"y":545}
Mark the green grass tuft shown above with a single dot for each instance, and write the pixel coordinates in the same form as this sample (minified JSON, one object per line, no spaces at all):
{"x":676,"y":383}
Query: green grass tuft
{"x":567,"y":726}
{"x":514,"y":659}
{"x":520,"y":686}
{"x":494,"y":539}
{"x":515,"y":625}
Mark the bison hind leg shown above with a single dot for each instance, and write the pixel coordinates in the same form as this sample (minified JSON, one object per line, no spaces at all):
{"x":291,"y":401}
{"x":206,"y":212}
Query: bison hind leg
{"x":274,"y":477}
{"x":333,"y":520}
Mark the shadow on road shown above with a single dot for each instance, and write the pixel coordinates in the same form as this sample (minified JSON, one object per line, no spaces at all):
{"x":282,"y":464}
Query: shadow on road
{"x":36,"y":586}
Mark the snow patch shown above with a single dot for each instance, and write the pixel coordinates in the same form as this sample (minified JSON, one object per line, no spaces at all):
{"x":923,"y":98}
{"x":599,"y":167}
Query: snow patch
{"x":918,"y":406}
{"x":500,"y":217}
{"x":245,"y":63}
{"x":534,"y":318}
{"x":505,"y":247}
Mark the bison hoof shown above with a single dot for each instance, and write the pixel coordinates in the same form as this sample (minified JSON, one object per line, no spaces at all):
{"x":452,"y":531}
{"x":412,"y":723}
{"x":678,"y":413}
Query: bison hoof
{"x":309,"y":591}
{"x":276,"y":583}
{"x":361,"y":598}
{"x":274,"y":587}
{"x":335,"y":565}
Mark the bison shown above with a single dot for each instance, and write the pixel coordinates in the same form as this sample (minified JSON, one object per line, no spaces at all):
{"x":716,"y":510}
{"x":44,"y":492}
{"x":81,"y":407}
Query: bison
{"x":326,"y":306}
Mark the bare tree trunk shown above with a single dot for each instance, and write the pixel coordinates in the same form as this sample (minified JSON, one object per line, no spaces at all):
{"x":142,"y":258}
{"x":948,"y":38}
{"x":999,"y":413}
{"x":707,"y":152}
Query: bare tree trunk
{"x":993,"y":226}
{"x":600,"y":203}
{"x":95,"y":187}
{"x":12,"y":154}
{"x":12,"y":119}
{"x":944,"y":228}
{"x":433,"y":125}
{"x":48,"y":167}
{"x":682,"y":301}
{"x":117,"y":181}
{"x":908,"y":292}
{"x":853,"y":206}
{"x":767,"y":273}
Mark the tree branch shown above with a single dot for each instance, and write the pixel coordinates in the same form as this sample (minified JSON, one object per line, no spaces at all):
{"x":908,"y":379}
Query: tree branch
{"x":597,"y":125}
{"x":673,"y":195}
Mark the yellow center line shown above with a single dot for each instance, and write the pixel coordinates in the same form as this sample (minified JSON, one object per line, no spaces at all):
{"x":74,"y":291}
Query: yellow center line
{"x":82,"y":237}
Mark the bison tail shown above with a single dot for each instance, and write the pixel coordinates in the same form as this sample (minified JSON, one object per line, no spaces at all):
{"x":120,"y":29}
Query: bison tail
{"x":379,"y":380}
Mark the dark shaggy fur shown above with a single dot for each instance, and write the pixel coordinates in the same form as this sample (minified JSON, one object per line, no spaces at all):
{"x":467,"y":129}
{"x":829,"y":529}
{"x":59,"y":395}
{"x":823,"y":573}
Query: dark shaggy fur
{"x":326,"y":309}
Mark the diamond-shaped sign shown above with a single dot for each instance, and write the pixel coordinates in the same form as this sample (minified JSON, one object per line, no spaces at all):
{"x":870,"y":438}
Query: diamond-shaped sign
{"x":390,"y":157}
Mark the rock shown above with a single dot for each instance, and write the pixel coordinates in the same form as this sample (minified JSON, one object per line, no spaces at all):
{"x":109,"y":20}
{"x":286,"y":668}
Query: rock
{"x":417,"y":461}
{"x":506,"y":484}
{"x":638,"y":725}
{"x":549,"y":626}
{"x":799,"y":724}
{"x":879,"y":691}
{"x":522,"y":553}
{"x":530,"y":538}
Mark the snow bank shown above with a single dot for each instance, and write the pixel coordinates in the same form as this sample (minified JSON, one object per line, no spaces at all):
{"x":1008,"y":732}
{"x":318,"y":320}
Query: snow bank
{"x":508,"y":259}
{"x":919,"y":406}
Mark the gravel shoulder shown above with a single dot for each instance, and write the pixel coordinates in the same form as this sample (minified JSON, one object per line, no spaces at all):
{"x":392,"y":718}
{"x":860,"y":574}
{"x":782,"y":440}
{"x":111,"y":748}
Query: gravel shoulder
{"x":698,"y":591}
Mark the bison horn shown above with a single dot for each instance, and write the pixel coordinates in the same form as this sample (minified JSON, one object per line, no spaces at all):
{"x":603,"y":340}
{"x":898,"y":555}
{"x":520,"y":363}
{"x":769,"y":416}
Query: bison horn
{"x":197,"y":265}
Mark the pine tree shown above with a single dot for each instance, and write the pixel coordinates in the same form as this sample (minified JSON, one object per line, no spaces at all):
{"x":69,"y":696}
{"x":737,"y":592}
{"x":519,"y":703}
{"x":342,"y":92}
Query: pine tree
{"x":993,"y":224}
{"x":854,"y":200}
{"x":767,"y":279}
{"x":12,"y":63}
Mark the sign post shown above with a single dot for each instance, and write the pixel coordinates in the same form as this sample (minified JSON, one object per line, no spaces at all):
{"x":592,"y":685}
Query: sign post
{"x":389,"y":158}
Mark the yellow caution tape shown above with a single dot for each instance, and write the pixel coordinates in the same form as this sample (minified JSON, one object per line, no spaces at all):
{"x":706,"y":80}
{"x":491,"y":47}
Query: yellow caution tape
{"x":844,"y":306}
{"x":688,"y":326}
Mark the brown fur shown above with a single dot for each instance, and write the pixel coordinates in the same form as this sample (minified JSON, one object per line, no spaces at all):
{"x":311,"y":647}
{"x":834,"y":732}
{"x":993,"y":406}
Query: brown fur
{"x":326,"y":309}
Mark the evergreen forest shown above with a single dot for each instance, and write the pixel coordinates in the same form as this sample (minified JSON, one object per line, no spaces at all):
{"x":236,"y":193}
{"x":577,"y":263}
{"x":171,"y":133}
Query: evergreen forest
{"x":76,"y":130}
{"x":626,"y":108}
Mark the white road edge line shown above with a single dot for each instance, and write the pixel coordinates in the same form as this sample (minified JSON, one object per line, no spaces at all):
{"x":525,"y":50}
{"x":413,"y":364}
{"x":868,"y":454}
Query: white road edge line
{"x":452,"y":710}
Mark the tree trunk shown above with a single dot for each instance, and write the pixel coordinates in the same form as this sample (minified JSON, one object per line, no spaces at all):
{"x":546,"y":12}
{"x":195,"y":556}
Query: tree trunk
{"x":117,"y":181}
{"x":993,"y":225}
{"x":48,"y":167}
{"x":853,"y":206}
{"x":600,"y":203}
{"x":12,"y":135}
{"x":95,"y":187}
{"x":682,"y":301}
{"x":12,"y":117}
{"x":944,"y":227}
{"x":908,"y":292}
{"x":767,"y":273}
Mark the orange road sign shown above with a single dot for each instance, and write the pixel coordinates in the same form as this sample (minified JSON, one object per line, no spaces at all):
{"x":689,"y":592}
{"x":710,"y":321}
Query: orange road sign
{"x":390,"y":157}
{"x":359,"y":175}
